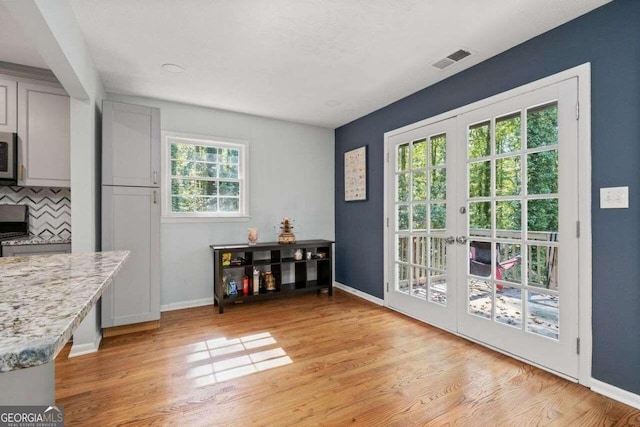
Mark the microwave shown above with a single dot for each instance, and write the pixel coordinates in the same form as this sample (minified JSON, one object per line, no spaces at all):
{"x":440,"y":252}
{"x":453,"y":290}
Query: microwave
{"x":8,"y":158}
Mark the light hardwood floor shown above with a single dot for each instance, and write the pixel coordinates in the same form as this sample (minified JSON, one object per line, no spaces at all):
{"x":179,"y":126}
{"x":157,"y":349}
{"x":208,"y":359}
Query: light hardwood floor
{"x":314,"y":360}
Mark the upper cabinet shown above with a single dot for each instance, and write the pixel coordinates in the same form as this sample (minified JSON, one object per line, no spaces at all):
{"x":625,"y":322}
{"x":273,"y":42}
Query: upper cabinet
{"x":43,"y":135}
{"x":132,"y":155}
{"x":8,"y":105}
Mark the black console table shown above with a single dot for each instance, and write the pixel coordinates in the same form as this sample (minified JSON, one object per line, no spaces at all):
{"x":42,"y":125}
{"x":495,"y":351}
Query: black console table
{"x":304,"y":266}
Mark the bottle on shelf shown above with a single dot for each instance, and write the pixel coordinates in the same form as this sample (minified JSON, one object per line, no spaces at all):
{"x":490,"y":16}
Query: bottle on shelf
{"x":245,"y":286}
{"x":256,"y":281}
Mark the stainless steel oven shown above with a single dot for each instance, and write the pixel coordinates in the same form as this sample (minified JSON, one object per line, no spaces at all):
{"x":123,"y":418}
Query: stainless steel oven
{"x":14,"y":222}
{"x":8,"y":158}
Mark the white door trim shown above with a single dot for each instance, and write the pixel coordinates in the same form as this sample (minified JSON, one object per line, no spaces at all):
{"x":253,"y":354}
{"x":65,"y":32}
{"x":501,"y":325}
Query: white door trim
{"x":583,"y":73}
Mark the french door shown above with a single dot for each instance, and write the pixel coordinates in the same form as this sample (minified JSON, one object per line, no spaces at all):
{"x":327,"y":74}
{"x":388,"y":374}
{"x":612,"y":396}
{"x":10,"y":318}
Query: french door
{"x":484,"y":225}
{"x":423,"y":262}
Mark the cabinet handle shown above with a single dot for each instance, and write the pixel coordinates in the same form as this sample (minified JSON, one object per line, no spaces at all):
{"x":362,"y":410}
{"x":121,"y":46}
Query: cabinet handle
{"x":21,"y":172}
{"x":155,"y":196}
{"x":155,"y":177}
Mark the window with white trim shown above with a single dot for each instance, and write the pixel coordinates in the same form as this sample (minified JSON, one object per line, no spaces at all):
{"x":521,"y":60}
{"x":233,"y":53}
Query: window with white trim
{"x":204,"y":177}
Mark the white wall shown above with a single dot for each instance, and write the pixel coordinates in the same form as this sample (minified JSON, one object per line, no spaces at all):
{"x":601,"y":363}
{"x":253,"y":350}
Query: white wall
{"x":291,"y":173}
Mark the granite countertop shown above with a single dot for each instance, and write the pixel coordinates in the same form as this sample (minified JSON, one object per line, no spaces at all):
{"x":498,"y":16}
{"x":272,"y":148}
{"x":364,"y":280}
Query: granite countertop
{"x":44,"y":298}
{"x":36,"y":240}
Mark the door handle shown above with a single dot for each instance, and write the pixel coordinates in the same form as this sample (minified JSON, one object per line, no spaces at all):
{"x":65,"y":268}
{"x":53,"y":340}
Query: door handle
{"x":461,"y":240}
{"x":450,"y":240}
{"x":21,"y":172}
{"x":155,"y":177}
{"x":155,"y":196}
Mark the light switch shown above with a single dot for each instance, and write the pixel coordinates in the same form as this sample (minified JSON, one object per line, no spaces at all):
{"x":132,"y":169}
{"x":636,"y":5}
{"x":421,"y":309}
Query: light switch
{"x":614,"y":198}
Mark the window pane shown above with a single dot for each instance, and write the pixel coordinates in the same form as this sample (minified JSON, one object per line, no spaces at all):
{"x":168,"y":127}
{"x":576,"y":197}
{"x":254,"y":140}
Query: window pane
{"x":229,"y":189}
{"x":403,"y":249}
{"x":183,"y":168}
{"x":419,"y":154}
{"x":229,"y":204}
{"x":542,"y":220}
{"x":508,"y":176}
{"x":438,"y":184}
{"x":480,"y":219}
{"x":229,"y":171}
{"x":206,"y":204}
{"x":206,"y":154}
{"x":182,"y":204}
{"x":480,"y":298}
{"x":509,"y":219}
{"x":509,"y":306}
{"x":438,"y":149}
{"x":403,"y":187}
{"x":420,"y":217}
{"x":182,"y":151}
{"x":508,"y":134}
{"x":479,"y":140}
{"x":438,"y":217}
{"x":228,"y":155}
{"x":542,"y":266}
{"x":403,"y":157}
{"x":543,"y":316}
{"x":181,"y":186}
{"x":480,"y":179}
{"x":208,"y":170}
{"x":403,"y":218}
{"x":402,"y":278}
{"x":542,"y":172}
{"x":419,"y":186}
{"x":542,"y":125}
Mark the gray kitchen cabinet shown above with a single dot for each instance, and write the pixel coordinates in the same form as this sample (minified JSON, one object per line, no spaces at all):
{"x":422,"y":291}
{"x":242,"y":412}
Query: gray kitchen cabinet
{"x":43,"y":135}
{"x":131,"y":156}
{"x":8,"y":105}
{"x":131,"y":211}
{"x":37,"y":249}
{"x":131,"y":221}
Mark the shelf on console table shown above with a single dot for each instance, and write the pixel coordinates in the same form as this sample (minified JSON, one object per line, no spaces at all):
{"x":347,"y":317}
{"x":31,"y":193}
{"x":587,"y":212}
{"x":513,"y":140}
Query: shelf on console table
{"x":292,"y":275}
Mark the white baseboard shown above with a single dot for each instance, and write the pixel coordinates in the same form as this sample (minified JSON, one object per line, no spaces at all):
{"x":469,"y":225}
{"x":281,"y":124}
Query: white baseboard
{"x":186,"y":304}
{"x":615,"y":393}
{"x":80,"y":349}
{"x":358,"y":293}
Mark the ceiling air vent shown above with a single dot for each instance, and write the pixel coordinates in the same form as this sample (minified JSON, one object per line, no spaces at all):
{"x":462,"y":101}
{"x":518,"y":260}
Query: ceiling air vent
{"x":452,"y":59}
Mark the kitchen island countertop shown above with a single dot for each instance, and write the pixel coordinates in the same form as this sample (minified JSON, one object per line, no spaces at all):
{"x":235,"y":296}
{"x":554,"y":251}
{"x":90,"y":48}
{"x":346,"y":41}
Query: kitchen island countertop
{"x":44,"y":298}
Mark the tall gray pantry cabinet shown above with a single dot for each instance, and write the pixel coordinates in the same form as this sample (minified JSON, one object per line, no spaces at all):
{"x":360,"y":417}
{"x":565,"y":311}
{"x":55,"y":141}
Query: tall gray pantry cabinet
{"x":131,"y":211}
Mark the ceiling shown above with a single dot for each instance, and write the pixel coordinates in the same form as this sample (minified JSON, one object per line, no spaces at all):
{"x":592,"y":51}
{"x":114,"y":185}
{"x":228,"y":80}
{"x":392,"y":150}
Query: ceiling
{"x":321,"y":62}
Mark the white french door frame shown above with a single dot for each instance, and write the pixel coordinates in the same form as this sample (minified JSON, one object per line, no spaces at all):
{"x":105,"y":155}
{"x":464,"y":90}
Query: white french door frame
{"x":583,"y":111}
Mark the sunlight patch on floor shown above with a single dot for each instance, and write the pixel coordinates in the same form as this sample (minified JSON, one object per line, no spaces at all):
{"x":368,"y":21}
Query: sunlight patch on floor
{"x":227,"y":362}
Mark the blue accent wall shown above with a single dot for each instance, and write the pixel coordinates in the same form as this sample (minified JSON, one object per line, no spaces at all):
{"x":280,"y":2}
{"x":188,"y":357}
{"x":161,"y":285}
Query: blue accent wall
{"x":608,"y":38}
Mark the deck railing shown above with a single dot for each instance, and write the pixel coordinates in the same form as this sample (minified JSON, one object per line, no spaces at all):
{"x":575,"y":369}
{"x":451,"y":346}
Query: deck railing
{"x":541,"y":259}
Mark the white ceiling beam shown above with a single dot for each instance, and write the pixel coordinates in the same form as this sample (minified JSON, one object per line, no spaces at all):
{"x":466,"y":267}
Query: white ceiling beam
{"x":52,"y":28}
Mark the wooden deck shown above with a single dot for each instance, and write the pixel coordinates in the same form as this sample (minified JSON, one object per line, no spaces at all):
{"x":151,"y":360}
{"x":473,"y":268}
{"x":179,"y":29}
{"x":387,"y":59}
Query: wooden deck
{"x":315,"y":360}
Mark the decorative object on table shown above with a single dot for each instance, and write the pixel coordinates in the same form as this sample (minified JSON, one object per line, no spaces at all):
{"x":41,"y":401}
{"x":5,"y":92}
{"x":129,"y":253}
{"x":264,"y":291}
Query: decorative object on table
{"x":253,"y":236}
{"x":232,"y":287}
{"x":235,"y":261}
{"x":256,"y":281}
{"x":245,"y":286}
{"x":270,"y":281}
{"x":355,"y":174}
{"x":286,"y":237}
{"x":226,"y":259}
{"x":297,"y":255}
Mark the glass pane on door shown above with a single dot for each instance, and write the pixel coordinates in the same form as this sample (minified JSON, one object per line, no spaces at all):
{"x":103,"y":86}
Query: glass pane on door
{"x":421,"y":218}
{"x":513,"y":218}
